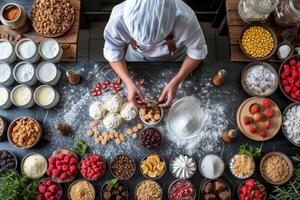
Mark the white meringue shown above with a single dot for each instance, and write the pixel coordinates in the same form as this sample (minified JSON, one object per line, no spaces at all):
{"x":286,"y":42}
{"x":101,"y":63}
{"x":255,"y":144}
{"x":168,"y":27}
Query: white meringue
{"x":183,"y":167}
{"x":97,"y":110}
{"x":112,"y":120}
{"x":113,"y":103}
{"x":128,"y":111}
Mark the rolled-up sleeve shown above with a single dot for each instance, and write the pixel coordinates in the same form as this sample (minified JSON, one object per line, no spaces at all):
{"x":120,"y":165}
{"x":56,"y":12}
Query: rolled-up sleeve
{"x":115,"y":36}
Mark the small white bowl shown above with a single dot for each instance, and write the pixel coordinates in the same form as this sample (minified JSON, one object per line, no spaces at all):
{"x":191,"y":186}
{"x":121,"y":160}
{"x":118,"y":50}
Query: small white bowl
{"x":151,"y":124}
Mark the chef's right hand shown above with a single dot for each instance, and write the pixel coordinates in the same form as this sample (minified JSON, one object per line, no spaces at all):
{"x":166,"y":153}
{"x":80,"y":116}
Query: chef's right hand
{"x":135,"y":95}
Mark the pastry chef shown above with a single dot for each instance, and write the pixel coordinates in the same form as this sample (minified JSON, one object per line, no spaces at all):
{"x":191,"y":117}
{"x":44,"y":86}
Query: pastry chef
{"x":154,"y":30}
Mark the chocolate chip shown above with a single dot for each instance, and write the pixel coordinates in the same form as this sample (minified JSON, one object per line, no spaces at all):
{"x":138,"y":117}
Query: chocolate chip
{"x":117,"y":191}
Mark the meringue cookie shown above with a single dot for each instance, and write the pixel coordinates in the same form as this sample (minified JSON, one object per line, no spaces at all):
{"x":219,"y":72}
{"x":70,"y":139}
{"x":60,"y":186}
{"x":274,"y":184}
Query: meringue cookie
{"x":128,"y":111}
{"x":97,"y":110}
{"x":183,"y":167}
{"x":112,"y":120}
{"x":114,"y":103}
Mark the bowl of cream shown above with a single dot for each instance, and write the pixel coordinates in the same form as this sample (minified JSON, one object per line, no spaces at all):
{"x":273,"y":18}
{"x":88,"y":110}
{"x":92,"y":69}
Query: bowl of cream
{"x":48,"y":73}
{"x":5,"y":101}
{"x":24,"y":73}
{"x":21,"y":96}
{"x":46,"y":96}
{"x":27,"y":50}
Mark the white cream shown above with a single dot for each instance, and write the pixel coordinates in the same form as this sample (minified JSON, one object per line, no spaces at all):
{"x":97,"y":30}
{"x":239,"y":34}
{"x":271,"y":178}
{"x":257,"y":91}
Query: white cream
{"x":114,"y":103}
{"x":5,"y":72}
{"x":112,"y":120}
{"x":3,"y":96}
{"x":6,"y":50}
{"x":22,"y":95}
{"x":183,"y":167}
{"x":24,"y":72}
{"x":97,"y":110}
{"x":128,"y":111}
{"x":45,"y":96}
{"x":47,"y":72}
{"x":49,"y":48}
{"x":27,"y":49}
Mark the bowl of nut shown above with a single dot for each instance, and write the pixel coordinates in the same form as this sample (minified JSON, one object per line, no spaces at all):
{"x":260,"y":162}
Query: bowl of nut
{"x":24,"y":132}
{"x":151,"y":113}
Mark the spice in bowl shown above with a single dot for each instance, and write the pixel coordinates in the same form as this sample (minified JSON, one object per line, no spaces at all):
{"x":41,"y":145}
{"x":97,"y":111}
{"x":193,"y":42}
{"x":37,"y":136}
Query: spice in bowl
{"x":212,"y":166}
{"x":47,"y":189}
{"x":24,"y":132}
{"x":8,"y":161}
{"x":11,"y":13}
{"x":291,"y":124}
{"x":34,"y":165}
{"x":92,"y":167}
{"x":183,"y":167}
{"x":153,"y":166}
{"x":122,"y":167}
{"x":216,"y":189}
{"x":252,"y":189}
{"x":275,"y":168}
{"x":151,"y":113}
{"x":62,"y":167}
{"x":113,"y":190}
{"x":182,"y":189}
{"x":151,"y":138}
{"x":257,"y":42}
{"x":82,"y":190}
{"x":148,"y":189}
{"x":242,"y":166}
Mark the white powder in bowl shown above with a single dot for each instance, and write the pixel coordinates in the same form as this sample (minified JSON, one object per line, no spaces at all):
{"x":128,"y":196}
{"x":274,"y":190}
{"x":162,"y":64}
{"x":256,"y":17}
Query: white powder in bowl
{"x":5,"y":72}
{"x":50,"y":48}
{"x":34,"y":166}
{"x":3,"y":96}
{"x":47,"y":72}
{"x":212,"y":166}
{"x":27,"y":49}
{"x":24,"y":72}
{"x":291,"y":124}
{"x":5,"y":50}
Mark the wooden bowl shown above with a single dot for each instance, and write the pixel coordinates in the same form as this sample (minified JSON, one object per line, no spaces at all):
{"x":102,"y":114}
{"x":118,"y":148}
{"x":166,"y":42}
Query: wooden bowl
{"x":243,"y":111}
{"x":244,"y":73}
{"x":72,"y":184}
{"x":67,"y":152}
{"x":283,"y":130}
{"x":243,"y":183}
{"x":286,"y":158}
{"x":11,"y":126}
{"x":279,"y":72}
{"x":161,"y":159}
{"x":208,"y":181}
{"x":273,"y":36}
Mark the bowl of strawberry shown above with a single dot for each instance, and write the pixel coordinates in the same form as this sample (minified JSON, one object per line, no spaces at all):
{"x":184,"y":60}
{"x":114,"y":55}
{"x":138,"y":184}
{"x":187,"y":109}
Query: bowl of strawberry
{"x":289,"y":76}
{"x":252,"y":189}
{"x":49,"y":190}
{"x":63,"y":166}
{"x":182,"y":189}
{"x":92,"y":167}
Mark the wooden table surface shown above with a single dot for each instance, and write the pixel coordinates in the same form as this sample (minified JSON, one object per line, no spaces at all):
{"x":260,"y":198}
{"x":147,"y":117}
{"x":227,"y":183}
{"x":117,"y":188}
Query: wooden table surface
{"x":70,"y":38}
{"x":236,"y":26}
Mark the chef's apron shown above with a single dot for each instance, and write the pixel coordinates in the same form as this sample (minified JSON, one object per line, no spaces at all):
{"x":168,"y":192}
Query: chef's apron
{"x":175,"y":54}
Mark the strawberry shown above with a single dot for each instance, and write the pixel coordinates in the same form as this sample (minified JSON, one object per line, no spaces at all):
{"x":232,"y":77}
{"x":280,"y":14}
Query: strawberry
{"x":254,"y":108}
{"x":250,"y":183}
{"x":266,"y":103}
{"x":243,"y":190}
{"x":252,"y":128}
{"x":267,"y":124}
{"x":269,"y":113}
{"x":247,"y":120}
{"x":263,"y":134}
{"x":257,"y":117}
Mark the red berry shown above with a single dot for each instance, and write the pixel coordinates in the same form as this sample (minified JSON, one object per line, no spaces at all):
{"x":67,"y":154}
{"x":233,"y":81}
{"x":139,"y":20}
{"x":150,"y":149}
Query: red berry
{"x":48,"y":195}
{"x":65,"y":168}
{"x":293,"y":62}
{"x":269,"y":113}
{"x":42,"y":189}
{"x":287,"y":89}
{"x":250,"y":183}
{"x":98,"y":85}
{"x":291,"y":80}
{"x":118,"y":81}
{"x":63,"y":176}
{"x":263,"y":134}
{"x":56,"y":173}
{"x":52,"y":188}
{"x":255,"y":108}
{"x":94,"y":94}
{"x":266,"y":103}
{"x":48,"y":182}
{"x":284,"y":82}
{"x":257,"y":117}
{"x":298,"y":64}
{"x":105,"y":82}
{"x":73,"y":161}
{"x":72,"y":169}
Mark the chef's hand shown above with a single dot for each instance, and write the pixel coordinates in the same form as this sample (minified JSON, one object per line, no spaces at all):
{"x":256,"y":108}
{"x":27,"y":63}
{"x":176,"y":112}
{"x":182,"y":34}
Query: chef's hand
{"x":135,"y":95}
{"x":168,"y":94}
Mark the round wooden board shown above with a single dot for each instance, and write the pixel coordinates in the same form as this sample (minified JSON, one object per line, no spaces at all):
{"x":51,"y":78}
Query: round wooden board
{"x":243,"y":111}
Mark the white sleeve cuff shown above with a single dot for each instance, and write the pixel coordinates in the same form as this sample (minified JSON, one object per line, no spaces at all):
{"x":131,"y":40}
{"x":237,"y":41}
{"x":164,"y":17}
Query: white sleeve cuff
{"x":113,"y":55}
{"x":197,"y":54}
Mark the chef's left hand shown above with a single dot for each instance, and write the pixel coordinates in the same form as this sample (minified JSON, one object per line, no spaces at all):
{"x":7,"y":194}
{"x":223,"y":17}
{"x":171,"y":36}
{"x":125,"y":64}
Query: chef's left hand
{"x":168,"y":94}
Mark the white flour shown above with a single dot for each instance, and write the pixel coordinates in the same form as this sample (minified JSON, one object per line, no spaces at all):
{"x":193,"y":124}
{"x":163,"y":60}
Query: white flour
{"x":27,"y":49}
{"x":50,"y":48}
{"x":47,"y":72}
{"x":25,"y":72}
{"x":5,"y":72}
{"x":5,"y":50}
{"x":291,"y":124}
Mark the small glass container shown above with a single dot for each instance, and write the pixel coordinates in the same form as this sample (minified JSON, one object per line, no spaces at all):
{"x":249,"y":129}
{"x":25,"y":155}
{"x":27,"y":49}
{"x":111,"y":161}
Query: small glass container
{"x":46,"y":96}
{"x":288,"y":13}
{"x":256,"y":10}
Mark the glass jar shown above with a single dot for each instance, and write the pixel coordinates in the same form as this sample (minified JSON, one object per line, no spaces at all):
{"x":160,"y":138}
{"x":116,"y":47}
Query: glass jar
{"x":256,"y":10}
{"x":288,"y":13}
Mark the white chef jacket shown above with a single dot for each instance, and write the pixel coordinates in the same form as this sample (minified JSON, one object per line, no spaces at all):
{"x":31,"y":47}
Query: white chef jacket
{"x":187,"y":34}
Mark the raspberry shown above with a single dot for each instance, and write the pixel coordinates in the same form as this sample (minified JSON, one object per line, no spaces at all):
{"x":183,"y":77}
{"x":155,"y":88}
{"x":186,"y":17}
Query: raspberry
{"x":42,"y":189}
{"x":52,"y":188}
{"x":293,"y":62}
{"x":63,"y":176}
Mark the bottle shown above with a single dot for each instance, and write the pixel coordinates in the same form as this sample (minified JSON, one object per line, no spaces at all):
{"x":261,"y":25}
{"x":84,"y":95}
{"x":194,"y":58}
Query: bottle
{"x":72,"y":77}
{"x":218,"y":79}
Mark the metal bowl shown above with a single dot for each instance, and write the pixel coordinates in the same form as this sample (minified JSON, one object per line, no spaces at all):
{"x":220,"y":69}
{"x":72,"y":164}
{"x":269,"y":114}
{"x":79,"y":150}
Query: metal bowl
{"x":247,"y":89}
{"x":57,"y":184}
{"x":161,"y":115}
{"x":104,"y":167}
{"x":15,"y":159}
{"x":181,"y":180}
{"x":72,"y":184}
{"x":104,"y":185}
{"x":273,"y":36}
{"x":231,"y":167}
{"x":11,"y":126}
{"x":172,"y":160}
{"x":158,"y":177}
{"x":30,"y":154}
{"x":243,"y":183}
{"x":286,"y":158}
{"x":208,"y":181}
{"x":115,"y":174}
{"x":282,"y":126}
{"x":135,"y":190}
{"x":199,"y":165}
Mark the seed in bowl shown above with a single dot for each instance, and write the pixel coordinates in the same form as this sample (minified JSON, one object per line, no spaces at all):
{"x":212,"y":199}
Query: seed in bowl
{"x":150,"y":112}
{"x":153,"y":166}
{"x":275,"y":168}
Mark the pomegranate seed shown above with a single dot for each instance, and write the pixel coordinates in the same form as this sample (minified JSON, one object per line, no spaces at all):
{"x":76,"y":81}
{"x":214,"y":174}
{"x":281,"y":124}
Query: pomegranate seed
{"x":105,"y":82}
{"x":106,"y":90}
{"x":94,"y":93}
{"x":99,"y":92}
{"x":98,"y":85}
{"x":104,"y":86}
{"x":116,"y":86}
{"x":112,"y":85}
{"x":97,"y":89}
{"x":119,"y":88}
{"x":142,"y":81}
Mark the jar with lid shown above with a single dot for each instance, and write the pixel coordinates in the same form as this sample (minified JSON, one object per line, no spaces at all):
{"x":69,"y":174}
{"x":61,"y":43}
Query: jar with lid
{"x":288,"y":13}
{"x":256,"y":10}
